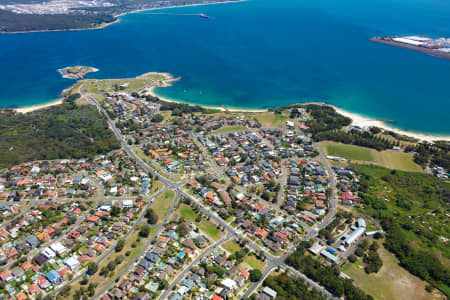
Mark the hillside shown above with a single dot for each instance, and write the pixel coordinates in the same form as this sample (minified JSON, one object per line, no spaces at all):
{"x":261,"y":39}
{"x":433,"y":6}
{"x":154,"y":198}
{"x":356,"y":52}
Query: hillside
{"x":61,"y":131}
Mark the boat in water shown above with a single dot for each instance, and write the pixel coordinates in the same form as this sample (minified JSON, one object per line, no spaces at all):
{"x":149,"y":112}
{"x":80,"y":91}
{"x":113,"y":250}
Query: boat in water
{"x":204,"y":16}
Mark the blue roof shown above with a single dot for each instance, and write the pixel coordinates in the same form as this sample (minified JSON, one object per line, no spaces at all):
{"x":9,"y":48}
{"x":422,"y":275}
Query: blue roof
{"x":53,"y":276}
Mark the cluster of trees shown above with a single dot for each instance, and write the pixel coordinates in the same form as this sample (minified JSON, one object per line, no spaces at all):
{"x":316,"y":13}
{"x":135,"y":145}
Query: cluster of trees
{"x":12,"y":22}
{"x":179,"y":109}
{"x":327,"y":276}
{"x":60,"y":131}
{"x":437,"y":154}
{"x":422,"y":263}
{"x":370,"y":256}
{"x":414,"y":201}
{"x":151,"y":216}
{"x":364,"y":139}
{"x":324,"y":118}
{"x":291,"y":287}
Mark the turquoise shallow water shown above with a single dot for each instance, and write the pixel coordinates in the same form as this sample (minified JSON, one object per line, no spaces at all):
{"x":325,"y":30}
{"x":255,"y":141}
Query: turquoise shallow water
{"x":256,"y":54}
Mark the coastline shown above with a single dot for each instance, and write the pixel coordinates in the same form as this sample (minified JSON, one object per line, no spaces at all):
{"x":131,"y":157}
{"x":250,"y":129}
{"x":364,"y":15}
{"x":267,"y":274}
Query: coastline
{"x":357,"y":119}
{"x":27,"y":109}
{"x":118,"y":17}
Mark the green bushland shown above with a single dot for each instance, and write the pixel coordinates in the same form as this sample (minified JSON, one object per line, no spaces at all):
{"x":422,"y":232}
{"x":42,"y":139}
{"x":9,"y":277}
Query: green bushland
{"x":60,"y":131}
{"x":291,"y":287}
{"x":326,"y":275}
{"x":412,"y":208}
{"x":11,"y":22}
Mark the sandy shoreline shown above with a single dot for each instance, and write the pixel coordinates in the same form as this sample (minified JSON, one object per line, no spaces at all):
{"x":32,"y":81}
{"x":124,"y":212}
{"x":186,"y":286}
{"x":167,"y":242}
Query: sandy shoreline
{"x":31,"y":108}
{"x":368,"y":122}
{"x":357,"y":119}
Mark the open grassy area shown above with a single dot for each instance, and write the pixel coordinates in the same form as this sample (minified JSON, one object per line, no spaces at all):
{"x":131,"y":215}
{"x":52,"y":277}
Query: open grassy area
{"x":389,"y":159}
{"x":113,"y":85}
{"x":391,"y":282}
{"x":254,"y":263}
{"x":208,"y":227}
{"x":162,"y":204}
{"x":231,"y":247}
{"x":228,"y":129}
{"x":270,"y":119}
{"x":156,"y":186}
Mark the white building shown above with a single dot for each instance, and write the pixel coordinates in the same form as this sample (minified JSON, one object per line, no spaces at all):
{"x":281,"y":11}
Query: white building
{"x":72,"y":263}
{"x":48,"y":253}
{"x":58,"y":248}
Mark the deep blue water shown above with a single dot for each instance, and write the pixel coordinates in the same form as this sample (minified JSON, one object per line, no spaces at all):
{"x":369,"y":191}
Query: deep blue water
{"x":256,"y":54}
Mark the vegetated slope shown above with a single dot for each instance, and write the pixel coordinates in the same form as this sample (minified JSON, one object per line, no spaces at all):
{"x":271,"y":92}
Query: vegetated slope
{"x":412,"y":208}
{"x":61,"y":131}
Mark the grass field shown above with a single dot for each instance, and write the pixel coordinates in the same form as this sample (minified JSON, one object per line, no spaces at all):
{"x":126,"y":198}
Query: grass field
{"x":231,"y":247}
{"x":391,"y":282}
{"x":388,"y":159}
{"x":254,"y":263}
{"x":228,"y":129}
{"x":162,"y":204}
{"x":270,"y":119}
{"x":103,"y":86}
{"x":209,"y":228}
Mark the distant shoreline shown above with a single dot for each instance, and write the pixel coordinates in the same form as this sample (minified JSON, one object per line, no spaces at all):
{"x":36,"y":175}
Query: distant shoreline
{"x":118,"y":16}
{"x":357,"y":119}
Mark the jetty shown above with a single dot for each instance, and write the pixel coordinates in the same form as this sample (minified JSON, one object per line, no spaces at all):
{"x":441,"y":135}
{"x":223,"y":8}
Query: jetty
{"x":201,"y":15}
{"x":439,"y":47}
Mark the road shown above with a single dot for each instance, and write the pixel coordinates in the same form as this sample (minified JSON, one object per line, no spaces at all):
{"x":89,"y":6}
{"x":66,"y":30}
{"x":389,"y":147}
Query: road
{"x":111,"y":249}
{"x":145,"y":248}
{"x":272,"y":261}
{"x":186,"y":269}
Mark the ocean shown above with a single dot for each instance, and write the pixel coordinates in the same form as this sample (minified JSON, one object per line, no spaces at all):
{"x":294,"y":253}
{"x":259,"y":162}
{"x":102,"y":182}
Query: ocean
{"x":256,"y":54}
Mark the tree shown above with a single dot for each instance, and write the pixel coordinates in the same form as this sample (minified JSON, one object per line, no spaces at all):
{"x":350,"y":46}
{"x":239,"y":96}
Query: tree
{"x":92,"y":268}
{"x":144,"y":231}
{"x":352,"y":258}
{"x":255,"y":275}
{"x":120,"y":245}
{"x":151,"y":216}
{"x":157,"y":118}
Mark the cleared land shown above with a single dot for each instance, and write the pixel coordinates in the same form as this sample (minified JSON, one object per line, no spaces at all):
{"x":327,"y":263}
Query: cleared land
{"x":162,"y":204}
{"x":389,"y":159}
{"x":254,"y":263}
{"x":209,"y":228}
{"x":270,"y":119}
{"x":228,"y":129}
{"x":231,"y":247}
{"x":391,"y":282}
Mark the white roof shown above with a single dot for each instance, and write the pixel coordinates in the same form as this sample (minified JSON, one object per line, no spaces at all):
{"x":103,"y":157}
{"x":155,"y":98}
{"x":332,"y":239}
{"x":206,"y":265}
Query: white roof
{"x":229,"y":283}
{"x":58,"y":247}
{"x":354,"y":235}
{"x":72,"y":262}
{"x":408,"y":41}
{"x":316,"y":248}
{"x":127,"y":202}
{"x":418,"y":38}
{"x":268,"y":291}
{"x":48,"y":253}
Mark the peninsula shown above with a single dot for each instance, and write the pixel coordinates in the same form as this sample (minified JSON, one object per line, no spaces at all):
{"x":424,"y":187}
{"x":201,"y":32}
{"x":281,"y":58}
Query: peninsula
{"x":436,"y":47}
{"x":76,"y":72}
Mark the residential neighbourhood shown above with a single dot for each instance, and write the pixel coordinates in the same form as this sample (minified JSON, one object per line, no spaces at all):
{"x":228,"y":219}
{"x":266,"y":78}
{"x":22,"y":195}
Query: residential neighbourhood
{"x":193,"y":206}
